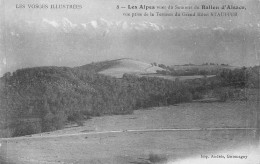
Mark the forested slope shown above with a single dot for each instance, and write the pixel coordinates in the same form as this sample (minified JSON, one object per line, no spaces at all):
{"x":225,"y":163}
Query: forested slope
{"x":43,"y":99}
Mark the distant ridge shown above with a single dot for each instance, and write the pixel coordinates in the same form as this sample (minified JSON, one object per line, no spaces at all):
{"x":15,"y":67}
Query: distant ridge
{"x":204,"y":67}
{"x":119,"y":67}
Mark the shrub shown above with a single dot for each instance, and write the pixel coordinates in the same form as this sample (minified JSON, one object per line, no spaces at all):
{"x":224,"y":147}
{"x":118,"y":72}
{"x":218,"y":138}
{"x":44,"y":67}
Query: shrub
{"x":53,"y":121}
{"x":197,"y":96}
{"x":77,"y":117}
{"x":221,"y":94}
{"x":184,"y":96}
{"x":155,"y":158}
{"x":59,"y":120}
{"x":6,"y":132}
{"x":22,"y":128}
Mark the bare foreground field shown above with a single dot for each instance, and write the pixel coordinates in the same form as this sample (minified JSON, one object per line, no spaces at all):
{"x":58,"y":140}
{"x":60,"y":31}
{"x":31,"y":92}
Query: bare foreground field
{"x":121,"y":139}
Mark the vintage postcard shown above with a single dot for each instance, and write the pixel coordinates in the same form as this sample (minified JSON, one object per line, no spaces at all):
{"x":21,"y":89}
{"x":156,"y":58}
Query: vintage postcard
{"x":129,"y":81}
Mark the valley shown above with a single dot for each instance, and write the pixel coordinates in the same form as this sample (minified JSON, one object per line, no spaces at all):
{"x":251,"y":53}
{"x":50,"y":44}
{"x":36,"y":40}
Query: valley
{"x":127,"y":138}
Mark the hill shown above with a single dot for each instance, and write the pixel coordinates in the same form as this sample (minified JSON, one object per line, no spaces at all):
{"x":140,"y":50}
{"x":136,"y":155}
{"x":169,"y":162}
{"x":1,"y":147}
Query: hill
{"x":194,"y":70}
{"x":42,"y":99}
{"x":98,"y":39}
{"x":116,"y":68}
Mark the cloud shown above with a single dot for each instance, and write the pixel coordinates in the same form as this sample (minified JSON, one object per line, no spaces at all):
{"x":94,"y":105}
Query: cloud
{"x":94,"y":24}
{"x":53,"y":23}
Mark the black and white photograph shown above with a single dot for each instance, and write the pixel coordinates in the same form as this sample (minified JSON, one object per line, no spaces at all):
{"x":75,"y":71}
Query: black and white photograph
{"x":129,"y":81}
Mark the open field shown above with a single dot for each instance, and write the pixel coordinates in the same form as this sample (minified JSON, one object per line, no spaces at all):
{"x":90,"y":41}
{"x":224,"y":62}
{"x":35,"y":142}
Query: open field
{"x":125,"y":138}
{"x":121,"y":66}
{"x":131,"y":66}
{"x":169,"y":77}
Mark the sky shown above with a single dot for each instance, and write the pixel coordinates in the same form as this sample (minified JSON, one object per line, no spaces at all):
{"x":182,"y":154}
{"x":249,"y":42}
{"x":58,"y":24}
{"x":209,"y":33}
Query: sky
{"x":237,"y":47}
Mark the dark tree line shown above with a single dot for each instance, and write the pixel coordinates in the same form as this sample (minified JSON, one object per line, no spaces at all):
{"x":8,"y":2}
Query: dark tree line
{"x":43,"y":99}
{"x":192,"y":69}
{"x":48,"y":97}
{"x":235,"y":78}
